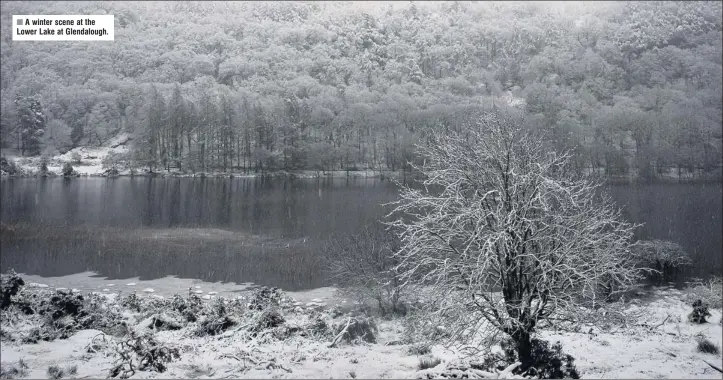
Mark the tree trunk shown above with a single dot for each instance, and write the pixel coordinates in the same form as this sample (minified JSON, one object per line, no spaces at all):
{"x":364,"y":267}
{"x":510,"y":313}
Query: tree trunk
{"x":524,"y":348}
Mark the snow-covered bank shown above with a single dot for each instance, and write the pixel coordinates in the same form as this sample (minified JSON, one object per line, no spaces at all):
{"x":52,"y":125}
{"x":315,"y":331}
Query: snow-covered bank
{"x":166,"y":287}
{"x":91,"y":165}
{"x":661,"y":344}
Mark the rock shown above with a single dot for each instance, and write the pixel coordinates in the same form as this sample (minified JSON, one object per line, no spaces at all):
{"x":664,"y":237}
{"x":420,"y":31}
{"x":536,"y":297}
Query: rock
{"x":131,"y":284}
{"x":212,"y":293}
{"x":197,"y":287}
{"x":111,"y":285}
{"x":148,"y":290}
{"x":198,"y":291}
{"x":60,"y":289}
{"x":105,"y":290}
{"x":74,"y":290}
{"x":316,"y":300}
{"x":206,"y":297}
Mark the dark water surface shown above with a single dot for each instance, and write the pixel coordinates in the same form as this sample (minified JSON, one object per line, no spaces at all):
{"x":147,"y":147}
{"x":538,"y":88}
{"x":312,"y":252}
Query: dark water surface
{"x":265,"y":231}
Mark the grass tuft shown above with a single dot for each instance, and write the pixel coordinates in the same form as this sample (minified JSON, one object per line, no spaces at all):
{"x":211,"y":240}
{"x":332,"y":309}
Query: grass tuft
{"x":429,"y":362}
{"x":707,"y":347}
{"x":55,"y":372}
{"x":14,"y":372}
{"x":419,"y":349}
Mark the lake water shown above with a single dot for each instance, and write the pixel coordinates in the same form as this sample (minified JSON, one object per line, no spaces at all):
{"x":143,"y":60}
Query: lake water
{"x":264,"y":231}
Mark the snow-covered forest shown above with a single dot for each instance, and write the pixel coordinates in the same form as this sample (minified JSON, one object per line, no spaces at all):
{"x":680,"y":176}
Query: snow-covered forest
{"x":632,"y":87}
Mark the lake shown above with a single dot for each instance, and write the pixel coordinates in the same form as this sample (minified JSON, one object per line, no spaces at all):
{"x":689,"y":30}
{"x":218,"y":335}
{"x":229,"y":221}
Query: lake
{"x":259,"y":230}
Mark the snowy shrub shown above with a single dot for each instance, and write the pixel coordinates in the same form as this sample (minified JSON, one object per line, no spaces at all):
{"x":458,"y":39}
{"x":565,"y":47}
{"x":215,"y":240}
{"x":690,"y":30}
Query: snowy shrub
{"x":190,"y":308}
{"x":9,"y":167}
{"x":166,"y":321}
{"x":55,"y":372}
{"x":68,"y":170}
{"x":426,"y":362}
{"x":709,"y":292}
{"x":319,"y":328}
{"x":43,"y":167}
{"x":214,"y":325}
{"x":10,"y":284}
{"x":265,"y":297}
{"x":707,"y":347}
{"x":76,"y":158}
{"x":356,"y":329}
{"x":269,"y":318}
{"x":141,"y":352}
{"x":666,"y":257}
{"x":131,"y":301}
{"x":14,"y":371}
{"x":699,"y":313}
{"x":217,"y":319}
{"x":547,"y":362}
{"x":113,"y":163}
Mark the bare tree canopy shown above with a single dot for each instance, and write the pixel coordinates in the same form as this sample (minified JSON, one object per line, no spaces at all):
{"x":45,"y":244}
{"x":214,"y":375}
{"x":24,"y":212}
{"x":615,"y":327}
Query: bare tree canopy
{"x":504,"y":234}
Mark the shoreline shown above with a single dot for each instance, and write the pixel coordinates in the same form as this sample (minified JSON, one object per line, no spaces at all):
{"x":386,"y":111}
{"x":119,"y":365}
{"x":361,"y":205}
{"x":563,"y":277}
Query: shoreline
{"x":329,"y":174}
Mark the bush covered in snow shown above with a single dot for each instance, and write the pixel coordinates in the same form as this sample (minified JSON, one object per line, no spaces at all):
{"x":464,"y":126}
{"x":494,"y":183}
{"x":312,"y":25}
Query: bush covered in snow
{"x":9,"y":167}
{"x":43,"y":170}
{"x":710,"y":292}
{"x":548,"y":362}
{"x":141,"y":352}
{"x":68,"y":170}
{"x":665,"y":257}
{"x":76,"y":157}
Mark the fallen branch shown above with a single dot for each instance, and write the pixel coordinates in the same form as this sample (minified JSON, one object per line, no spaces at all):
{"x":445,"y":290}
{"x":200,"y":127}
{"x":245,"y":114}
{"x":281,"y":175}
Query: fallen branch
{"x":660,"y":324}
{"x":336,"y":339}
{"x":714,"y":367}
{"x":668,"y":353}
{"x":509,"y":369}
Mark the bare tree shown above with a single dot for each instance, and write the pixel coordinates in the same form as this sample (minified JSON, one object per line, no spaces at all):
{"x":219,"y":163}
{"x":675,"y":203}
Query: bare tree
{"x":504,"y":234}
{"x":363,"y":264}
{"x":663,"y":258}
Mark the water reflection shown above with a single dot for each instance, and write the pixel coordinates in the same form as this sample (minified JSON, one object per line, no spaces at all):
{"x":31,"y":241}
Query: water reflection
{"x":238,"y":229}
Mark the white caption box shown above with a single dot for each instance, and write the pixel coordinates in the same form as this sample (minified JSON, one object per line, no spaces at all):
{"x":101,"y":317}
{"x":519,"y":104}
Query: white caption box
{"x":63,"y":27}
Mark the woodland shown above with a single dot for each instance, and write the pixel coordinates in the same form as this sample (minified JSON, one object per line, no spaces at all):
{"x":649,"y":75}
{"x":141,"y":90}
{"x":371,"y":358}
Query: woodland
{"x":630,"y":88}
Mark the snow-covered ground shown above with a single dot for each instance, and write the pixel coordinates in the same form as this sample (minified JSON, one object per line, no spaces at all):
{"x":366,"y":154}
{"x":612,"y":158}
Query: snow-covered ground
{"x":660,"y":345}
{"x":91,"y":163}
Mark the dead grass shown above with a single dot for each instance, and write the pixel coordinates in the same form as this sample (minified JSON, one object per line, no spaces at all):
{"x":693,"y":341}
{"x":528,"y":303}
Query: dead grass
{"x":709,"y":291}
{"x":426,"y":362}
{"x":55,"y":372}
{"x":707,"y":347}
{"x":14,"y":371}
{"x":419,"y":349}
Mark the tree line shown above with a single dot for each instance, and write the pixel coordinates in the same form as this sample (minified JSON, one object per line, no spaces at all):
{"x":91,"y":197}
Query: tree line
{"x":629,"y":87}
